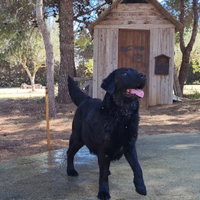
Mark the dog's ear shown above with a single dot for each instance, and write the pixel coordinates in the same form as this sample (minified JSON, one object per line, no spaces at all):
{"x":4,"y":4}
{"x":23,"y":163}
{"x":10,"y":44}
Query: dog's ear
{"x":108,"y":84}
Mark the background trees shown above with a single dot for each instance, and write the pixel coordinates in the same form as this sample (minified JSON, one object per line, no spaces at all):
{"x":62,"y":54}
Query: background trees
{"x":18,"y":18}
{"x":20,"y":42}
{"x":27,"y":52}
{"x":81,"y":11}
{"x":187,"y":13}
{"x":83,"y":54}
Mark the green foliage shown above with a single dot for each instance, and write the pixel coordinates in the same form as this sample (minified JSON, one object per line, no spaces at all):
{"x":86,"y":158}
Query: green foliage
{"x":196,"y":83}
{"x":24,"y":41}
{"x":89,"y":68}
{"x":196,"y":95}
{"x":15,"y":18}
{"x":21,"y":43}
{"x":173,"y":6}
{"x":19,"y":36}
{"x":82,"y":40}
{"x":40,"y":100}
{"x":86,"y":11}
{"x":84,"y":54}
{"x":40,"y":117}
{"x":16,"y":123}
{"x":83,"y":46}
{"x":196,"y":67}
{"x":194,"y":56}
{"x":192,"y":78}
{"x":15,"y":25}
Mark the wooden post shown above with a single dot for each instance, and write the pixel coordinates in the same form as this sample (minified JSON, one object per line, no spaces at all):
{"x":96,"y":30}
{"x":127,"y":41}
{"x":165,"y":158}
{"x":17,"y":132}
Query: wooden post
{"x":47,"y":119}
{"x":90,"y":89}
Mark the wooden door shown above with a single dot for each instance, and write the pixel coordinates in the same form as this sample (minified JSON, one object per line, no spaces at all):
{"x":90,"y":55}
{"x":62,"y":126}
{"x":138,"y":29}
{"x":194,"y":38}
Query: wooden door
{"x":133,"y":52}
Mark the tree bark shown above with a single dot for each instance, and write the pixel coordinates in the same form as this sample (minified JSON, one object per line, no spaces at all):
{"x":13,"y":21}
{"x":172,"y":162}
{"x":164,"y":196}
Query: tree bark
{"x":32,"y":83}
{"x":32,"y":78}
{"x":184,"y":69}
{"x":186,"y":50}
{"x":66,"y":49}
{"x":49,"y":57}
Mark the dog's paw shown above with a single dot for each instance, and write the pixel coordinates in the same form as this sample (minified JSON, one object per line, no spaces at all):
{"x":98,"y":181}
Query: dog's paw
{"x":140,"y":186}
{"x":141,"y":189}
{"x":72,"y":172}
{"x":103,"y":195}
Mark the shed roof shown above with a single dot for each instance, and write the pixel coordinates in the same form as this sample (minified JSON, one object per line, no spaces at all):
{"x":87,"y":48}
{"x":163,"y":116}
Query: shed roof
{"x":155,"y":3}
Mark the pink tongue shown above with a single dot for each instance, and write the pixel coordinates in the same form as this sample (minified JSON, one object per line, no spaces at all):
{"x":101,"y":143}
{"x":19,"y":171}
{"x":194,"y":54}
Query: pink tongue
{"x":137,"y":92}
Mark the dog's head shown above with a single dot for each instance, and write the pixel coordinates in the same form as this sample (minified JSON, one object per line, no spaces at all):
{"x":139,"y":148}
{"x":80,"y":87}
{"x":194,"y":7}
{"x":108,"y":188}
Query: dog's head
{"x":125,"y":84}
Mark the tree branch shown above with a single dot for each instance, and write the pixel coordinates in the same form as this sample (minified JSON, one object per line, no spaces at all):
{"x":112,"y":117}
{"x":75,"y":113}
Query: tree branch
{"x":181,"y":19}
{"x":89,"y":11}
{"x":195,"y":26}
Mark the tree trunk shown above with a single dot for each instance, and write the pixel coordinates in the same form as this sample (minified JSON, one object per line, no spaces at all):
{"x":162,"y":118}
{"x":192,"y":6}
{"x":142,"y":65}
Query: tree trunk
{"x":9,"y":70}
{"x":184,"y":69}
{"x":32,"y":79}
{"x":49,"y":58}
{"x":186,"y":50}
{"x":66,"y":49}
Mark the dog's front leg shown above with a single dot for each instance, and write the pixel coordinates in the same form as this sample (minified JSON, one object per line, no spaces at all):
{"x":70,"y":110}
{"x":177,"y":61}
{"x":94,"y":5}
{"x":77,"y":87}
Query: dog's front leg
{"x":104,"y":164}
{"x":131,"y":156}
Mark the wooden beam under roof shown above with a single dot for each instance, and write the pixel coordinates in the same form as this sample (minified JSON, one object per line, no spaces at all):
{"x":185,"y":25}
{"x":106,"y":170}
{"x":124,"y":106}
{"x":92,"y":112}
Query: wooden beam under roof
{"x":179,"y":26}
{"x":166,"y":14}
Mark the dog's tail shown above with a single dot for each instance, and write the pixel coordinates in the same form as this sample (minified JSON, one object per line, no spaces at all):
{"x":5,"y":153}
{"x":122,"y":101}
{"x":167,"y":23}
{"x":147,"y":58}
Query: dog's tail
{"x":75,"y":92}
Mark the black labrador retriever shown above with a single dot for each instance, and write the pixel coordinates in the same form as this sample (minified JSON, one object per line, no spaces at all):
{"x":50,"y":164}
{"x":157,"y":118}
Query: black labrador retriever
{"x":109,"y":128}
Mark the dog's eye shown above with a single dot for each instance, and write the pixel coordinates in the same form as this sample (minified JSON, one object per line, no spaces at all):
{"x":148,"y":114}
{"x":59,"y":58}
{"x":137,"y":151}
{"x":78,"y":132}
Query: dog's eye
{"x":124,"y":74}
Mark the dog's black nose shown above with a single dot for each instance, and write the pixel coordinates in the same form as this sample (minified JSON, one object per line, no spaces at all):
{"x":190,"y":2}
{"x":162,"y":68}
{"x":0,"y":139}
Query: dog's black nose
{"x":142,"y":75}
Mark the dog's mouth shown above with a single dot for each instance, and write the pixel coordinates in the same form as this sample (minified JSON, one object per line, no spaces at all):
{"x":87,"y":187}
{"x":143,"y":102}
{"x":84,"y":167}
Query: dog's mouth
{"x":134,"y":92}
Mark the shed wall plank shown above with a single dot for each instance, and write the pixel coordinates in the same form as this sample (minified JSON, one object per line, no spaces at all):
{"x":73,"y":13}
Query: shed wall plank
{"x":134,"y":13}
{"x":126,"y":14}
{"x":95,"y":64}
{"x":133,"y":17}
{"x":105,"y":57}
{"x":134,"y":21}
{"x":152,"y":78}
{"x":138,"y":6}
{"x":101,"y":66}
{"x":171,"y":68}
{"x":161,"y":86}
{"x":136,"y":26}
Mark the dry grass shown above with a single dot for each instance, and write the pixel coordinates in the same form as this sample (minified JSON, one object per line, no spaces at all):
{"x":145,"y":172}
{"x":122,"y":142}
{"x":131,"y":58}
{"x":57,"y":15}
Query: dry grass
{"x":23,"y":124}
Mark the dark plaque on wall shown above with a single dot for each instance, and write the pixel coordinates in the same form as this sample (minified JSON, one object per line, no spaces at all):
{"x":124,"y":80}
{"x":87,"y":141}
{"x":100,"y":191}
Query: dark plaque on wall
{"x":162,"y":65}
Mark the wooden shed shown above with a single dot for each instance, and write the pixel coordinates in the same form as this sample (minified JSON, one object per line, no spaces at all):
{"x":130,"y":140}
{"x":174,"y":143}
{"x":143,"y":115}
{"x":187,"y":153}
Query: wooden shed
{"x":137,"y":34}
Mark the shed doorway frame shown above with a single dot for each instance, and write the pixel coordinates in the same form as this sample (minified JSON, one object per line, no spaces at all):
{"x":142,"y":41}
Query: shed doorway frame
{"x":134,"y":52}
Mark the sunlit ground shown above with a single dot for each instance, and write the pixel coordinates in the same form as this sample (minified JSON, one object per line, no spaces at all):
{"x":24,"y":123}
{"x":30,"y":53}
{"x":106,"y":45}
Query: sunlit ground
{"x":191,"y":89}
{"x":13,"y":93}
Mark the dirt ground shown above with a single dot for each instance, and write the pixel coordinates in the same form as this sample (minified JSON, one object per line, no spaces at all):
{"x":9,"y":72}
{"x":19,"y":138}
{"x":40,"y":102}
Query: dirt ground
{"x":23,"y":124}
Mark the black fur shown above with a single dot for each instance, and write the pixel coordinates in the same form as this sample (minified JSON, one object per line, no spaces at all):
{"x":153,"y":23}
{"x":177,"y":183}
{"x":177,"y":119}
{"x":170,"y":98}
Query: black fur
{"x":76,"y":94}
{"x":109,"y":128}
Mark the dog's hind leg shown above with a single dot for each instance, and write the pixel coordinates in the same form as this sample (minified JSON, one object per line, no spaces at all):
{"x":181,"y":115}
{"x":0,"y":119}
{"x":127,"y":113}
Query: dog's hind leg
{"x":131,"y":156}
{"x":74,"y":146}
{"x":104,"y":164}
